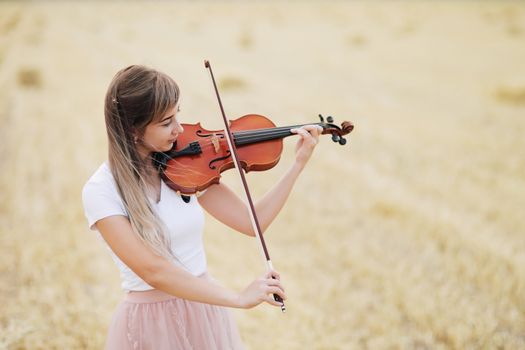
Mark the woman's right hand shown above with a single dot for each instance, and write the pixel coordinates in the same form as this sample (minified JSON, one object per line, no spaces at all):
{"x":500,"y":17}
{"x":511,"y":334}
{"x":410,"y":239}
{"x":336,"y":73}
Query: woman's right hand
{"x":262,"y":290}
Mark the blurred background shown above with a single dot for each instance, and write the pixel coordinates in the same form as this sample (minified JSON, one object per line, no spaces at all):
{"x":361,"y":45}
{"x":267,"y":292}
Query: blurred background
{"x":411,"y":236}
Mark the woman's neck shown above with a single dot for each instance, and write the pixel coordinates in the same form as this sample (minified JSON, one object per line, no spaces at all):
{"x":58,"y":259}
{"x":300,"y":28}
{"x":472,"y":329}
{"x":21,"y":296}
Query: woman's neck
{"x":144,"y":153}
{"x":150,"y":171}
{"x":152,"y":179}
{"x":151,"y":174}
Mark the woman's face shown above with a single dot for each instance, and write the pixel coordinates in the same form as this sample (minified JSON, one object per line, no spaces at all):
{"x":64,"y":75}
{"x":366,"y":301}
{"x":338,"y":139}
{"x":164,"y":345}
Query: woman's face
{"x":160,"y":135}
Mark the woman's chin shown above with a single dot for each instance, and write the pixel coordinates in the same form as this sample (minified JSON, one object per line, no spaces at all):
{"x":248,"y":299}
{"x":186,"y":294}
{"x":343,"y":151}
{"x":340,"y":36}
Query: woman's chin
{"x":168,"y":147}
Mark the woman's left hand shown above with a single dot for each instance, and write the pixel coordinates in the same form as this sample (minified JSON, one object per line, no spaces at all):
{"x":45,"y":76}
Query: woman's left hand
{"x":305,"y":146}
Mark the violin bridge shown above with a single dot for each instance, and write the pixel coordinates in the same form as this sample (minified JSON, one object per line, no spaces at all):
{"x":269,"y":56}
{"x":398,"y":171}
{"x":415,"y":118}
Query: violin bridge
{"x":215,"y":142}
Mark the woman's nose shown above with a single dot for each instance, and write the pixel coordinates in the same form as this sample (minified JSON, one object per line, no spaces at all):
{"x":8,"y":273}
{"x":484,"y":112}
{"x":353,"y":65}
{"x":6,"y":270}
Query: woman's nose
{"x":179,"y":129}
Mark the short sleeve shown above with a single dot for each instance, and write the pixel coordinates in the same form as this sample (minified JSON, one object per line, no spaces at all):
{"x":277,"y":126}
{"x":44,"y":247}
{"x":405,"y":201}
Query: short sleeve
{"x":100,"y":200}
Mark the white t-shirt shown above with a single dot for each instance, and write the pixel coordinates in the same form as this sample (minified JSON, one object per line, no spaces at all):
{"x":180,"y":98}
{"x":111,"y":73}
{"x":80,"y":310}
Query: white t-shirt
{"x":184,"y":222}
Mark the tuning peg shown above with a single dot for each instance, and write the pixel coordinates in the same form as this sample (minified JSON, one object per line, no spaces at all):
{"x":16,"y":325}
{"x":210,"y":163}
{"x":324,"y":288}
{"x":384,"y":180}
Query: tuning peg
{"x":321,"y":117}
{"x":335,"y":137}
{"x":330,"y":119}
{"x":342,"y":141}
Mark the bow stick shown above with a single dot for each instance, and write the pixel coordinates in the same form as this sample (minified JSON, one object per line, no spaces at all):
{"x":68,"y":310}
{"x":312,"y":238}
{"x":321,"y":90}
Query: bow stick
{"x":253,"y":216}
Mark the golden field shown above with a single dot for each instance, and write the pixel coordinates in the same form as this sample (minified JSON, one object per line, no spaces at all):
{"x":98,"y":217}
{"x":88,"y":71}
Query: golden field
{"x":412,"y":236}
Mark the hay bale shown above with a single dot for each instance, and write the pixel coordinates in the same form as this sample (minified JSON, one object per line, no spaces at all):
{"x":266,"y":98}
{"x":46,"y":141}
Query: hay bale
{"x":510,"y":95}
{"x":29,"y":77}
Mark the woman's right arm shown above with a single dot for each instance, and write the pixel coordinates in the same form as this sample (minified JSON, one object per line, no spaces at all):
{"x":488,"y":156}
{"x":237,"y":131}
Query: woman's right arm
{"x":161,"y":274}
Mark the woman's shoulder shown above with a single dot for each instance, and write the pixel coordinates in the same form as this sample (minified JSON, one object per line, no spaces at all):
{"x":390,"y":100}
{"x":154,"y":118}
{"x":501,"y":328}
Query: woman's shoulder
{"x":101,"y":181}
{"x":100,"y":196}
{"x":101,"y":175}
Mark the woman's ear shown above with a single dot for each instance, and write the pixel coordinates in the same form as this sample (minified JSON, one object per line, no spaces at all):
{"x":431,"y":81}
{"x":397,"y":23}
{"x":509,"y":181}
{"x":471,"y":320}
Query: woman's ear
{"x":135,"y":134}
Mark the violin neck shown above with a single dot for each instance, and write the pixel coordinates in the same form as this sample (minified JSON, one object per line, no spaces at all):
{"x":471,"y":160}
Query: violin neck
{"x":247,"y":137}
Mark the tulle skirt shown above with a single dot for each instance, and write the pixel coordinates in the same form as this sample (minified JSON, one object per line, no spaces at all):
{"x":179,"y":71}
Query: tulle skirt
{"x":159,"y":321}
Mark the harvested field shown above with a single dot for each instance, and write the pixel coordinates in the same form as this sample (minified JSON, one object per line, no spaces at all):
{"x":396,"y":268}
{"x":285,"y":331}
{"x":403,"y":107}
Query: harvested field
{"x":412,"y":236}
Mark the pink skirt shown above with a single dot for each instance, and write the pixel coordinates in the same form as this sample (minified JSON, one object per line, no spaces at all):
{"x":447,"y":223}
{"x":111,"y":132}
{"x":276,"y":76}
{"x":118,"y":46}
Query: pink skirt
{"x":156,"y":320}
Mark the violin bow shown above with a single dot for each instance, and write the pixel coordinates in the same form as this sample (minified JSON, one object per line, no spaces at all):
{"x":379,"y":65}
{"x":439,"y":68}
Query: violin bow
{"x":253,"y":215}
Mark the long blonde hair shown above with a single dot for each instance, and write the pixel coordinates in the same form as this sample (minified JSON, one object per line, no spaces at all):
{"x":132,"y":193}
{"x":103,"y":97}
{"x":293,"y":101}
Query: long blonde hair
{"x":137,"y":96}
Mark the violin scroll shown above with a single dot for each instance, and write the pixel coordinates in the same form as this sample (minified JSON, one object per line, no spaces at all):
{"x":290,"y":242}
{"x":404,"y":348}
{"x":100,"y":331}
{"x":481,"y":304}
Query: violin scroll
{"x":336,"y":131}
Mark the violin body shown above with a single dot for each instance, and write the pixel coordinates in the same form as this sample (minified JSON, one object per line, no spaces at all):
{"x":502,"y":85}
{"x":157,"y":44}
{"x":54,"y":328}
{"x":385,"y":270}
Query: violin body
{"x":199,"y":155}
{"x":193,"y":172}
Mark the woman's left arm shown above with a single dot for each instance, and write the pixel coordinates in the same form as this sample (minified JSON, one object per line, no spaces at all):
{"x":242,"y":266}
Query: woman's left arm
{"x":223,"y":204}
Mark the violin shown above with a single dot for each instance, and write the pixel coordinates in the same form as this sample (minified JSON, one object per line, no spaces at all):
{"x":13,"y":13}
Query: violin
{"x":199,"y":155}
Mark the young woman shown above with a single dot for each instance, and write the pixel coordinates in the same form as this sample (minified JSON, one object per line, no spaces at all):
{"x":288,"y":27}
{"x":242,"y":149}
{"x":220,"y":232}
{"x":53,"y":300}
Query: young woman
{"x":155,"y":235}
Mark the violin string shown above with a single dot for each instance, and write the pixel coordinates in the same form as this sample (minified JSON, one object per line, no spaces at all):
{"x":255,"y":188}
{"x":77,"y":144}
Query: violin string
{"x":240,"y":132}
{"x":247,"y":139}
{"x":205,"y":144}
{"x":247,"y":136}
{"x":254,"y":137}
{"x":261,"y":137}
{"x":269,"y":130}
{"x":278,"y":131}
{"x":265,"y":134}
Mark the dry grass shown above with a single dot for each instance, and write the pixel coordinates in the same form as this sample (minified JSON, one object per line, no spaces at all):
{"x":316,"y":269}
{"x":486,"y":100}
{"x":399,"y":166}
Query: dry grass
{"x":410,"y":237}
